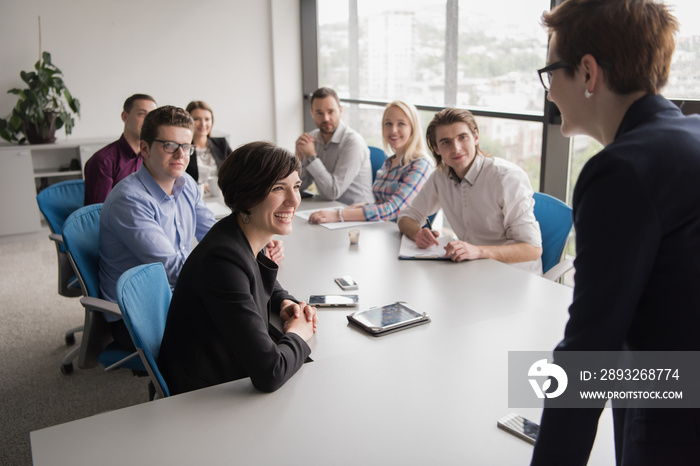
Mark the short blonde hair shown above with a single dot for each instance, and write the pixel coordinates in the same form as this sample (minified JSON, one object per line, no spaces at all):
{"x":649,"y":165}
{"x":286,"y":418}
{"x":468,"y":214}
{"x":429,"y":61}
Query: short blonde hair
{"x":415,"y":147}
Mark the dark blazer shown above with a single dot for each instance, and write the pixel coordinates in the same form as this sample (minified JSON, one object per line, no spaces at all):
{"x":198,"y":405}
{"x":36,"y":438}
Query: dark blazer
{"x":217,"y":326}
{"x":637,"y":220}
{"x":220,"y":150}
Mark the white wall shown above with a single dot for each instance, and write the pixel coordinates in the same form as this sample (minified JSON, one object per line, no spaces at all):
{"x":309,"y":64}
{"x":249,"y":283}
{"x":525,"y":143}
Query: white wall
{"x":242,"y":57}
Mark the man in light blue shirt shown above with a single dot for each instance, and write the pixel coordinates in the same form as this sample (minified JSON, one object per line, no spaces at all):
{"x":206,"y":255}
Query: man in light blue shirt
{"x":154,"y":214}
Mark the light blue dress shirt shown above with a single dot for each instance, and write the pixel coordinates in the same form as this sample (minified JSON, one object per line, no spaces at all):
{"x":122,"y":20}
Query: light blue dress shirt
{"x":141,"y":224}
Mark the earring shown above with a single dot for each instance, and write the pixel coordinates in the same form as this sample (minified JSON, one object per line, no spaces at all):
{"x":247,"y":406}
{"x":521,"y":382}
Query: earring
{"x":587,"y":94}
{"x":245,"y":218}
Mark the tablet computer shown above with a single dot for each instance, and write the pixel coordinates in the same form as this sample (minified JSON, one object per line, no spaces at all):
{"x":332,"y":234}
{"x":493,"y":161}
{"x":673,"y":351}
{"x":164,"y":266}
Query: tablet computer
{"x":386,"y":319}
{"x":333,"y":300}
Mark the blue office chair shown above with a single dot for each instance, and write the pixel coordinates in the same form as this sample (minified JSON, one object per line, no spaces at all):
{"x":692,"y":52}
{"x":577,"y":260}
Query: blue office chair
{"x":555,"y":219}
{"x":56,"y":202}
{"x":81,"y":238}
{"x":143,"y":294}
{"x":377,"y":158}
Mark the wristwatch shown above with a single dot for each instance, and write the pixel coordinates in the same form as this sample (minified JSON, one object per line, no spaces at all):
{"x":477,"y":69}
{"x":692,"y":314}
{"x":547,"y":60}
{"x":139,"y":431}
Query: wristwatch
{"x":311,"y":158}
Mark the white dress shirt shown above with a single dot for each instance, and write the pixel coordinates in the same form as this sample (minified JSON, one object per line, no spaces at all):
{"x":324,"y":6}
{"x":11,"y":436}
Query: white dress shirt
{"x":491,"y":206}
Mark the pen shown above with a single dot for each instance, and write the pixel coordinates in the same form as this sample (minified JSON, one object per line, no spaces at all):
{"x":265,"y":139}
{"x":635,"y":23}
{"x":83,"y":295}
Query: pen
{"x":427,"y":222}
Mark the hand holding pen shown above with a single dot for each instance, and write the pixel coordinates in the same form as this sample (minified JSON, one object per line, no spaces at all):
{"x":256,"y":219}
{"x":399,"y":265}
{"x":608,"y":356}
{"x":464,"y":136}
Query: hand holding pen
{"x":426,"y":237}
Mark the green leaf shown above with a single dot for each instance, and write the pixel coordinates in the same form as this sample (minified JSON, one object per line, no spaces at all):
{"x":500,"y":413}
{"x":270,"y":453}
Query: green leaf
{"x":58,"y":84}
{"x":47,"y":57}
{"x":59,"y":123}
{"x":6,"y":135}
{"x":15,"y":121}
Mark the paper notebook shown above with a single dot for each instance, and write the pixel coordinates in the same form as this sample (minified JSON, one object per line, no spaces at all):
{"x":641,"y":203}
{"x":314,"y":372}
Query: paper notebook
{"x":409,"y":250}
{"x":305,"y":214}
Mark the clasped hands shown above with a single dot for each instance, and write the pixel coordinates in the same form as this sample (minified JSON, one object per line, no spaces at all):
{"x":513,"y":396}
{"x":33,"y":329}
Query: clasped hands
{"x":305,"y":146}
{"x":299,"y":318}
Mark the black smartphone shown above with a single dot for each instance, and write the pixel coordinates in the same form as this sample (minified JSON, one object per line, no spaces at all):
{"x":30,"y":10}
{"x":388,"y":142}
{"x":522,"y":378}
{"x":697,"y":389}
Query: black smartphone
{"x":522,"y":428}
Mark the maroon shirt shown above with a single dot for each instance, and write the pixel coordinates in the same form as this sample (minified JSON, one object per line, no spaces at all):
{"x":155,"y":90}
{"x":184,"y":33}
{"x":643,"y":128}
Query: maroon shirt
{"x":107,"y":167}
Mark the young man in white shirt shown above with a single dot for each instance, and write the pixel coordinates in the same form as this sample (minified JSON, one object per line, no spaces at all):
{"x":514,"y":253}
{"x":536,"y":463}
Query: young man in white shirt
{"x":486,"y":200}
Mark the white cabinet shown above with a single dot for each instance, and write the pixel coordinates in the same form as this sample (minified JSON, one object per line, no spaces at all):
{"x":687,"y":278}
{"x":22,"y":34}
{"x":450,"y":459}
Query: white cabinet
{"x":26,"y":169}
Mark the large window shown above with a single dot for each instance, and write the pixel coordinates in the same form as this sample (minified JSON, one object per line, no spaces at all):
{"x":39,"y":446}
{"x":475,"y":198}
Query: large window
{"x":477,"y":55}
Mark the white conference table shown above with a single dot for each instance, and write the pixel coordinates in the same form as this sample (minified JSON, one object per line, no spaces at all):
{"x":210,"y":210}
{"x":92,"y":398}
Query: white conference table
{"x":427,"y":395}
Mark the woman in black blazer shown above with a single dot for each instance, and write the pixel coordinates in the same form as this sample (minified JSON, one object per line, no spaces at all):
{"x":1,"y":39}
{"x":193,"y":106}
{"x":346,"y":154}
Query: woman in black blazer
{"x":636,"y":210}
{"x":211,"y":152}
{"x":217,"y":328}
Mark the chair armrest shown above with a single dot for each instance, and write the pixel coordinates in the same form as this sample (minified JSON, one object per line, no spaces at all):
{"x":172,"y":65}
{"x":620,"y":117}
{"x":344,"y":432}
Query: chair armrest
{"x":101,"y":305}
{"x":556,"y":272}
{"x":56,"y":237}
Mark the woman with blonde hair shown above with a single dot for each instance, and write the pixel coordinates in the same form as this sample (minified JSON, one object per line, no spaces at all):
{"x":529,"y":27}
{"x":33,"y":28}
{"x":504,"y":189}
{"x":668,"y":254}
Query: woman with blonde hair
{"x":401,"y":177}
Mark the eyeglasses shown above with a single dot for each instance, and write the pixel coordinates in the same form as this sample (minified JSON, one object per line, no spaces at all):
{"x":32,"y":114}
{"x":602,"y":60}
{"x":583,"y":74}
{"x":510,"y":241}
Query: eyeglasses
{"x":171,"y":147}
{"x":546,"y":73}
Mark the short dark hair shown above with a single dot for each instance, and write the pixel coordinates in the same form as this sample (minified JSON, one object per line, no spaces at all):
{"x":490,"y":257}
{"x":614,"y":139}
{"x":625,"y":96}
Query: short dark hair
{"x":164,"y":116}
{"x":129,"y":103}
{"x":447,"y":117}
{"x":247,"y":175}
{"x":636,"y":37}
{"x":322,"y":93}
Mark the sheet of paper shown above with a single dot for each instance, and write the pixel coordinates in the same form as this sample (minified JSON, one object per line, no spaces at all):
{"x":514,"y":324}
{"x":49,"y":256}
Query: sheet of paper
{"x":409,"y":249}
{"x":305,"y":214}
{"x":220,"y":210}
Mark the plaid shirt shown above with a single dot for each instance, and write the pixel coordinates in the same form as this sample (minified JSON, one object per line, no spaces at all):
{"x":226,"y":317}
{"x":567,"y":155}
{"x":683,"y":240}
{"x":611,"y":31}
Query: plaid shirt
{"x":395,"y":187}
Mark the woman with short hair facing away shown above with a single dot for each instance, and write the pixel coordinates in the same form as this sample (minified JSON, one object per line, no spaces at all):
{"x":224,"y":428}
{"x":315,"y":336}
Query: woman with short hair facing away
{"x":210,"y":152}
{"x":217,"y":325}
{"x":636,"y":211}
{"x":401,"y":177}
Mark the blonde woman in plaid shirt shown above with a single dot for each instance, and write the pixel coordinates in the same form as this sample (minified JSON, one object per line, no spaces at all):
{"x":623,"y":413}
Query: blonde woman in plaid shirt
{"x":402,"y":175}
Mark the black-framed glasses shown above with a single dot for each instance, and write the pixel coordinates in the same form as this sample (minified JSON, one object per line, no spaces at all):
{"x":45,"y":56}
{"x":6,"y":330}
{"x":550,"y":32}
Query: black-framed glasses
{"x":546,"y":73}
{"x":171,"y":147}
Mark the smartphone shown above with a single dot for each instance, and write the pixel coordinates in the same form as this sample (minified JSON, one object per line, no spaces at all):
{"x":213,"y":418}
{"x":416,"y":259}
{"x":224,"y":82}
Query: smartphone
{"x":346,"y":283}
{"x":522,"y":428}
{"x":333,"y":300}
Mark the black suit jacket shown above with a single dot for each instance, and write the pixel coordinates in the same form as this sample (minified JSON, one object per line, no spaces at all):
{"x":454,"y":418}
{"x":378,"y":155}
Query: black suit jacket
{"x":220,"y":150}
{"x":637,"y":220}
{"x":217,"y":325}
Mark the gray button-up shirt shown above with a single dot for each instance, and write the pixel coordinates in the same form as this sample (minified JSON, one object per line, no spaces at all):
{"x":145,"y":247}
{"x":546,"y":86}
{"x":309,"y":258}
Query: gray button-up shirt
{"x":342,"y":171}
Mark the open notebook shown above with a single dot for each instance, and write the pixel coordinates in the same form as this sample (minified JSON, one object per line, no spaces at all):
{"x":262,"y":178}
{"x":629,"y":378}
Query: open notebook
{"x":409,"y":250}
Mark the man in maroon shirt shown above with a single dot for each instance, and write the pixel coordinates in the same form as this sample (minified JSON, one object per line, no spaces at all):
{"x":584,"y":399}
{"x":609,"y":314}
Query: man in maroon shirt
{"x":114,"y":162}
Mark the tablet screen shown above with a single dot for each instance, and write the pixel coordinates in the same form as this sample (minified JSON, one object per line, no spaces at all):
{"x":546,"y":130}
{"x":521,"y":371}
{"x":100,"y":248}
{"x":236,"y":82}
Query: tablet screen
{"x":390,"y":315}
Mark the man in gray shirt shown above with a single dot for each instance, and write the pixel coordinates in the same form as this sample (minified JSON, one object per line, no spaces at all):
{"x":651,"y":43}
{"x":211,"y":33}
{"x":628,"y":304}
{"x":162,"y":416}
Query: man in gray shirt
{"x":334,"y":156}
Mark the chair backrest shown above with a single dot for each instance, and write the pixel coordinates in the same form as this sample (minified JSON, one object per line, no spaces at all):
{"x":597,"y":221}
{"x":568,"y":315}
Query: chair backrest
{"x":58,"y":201}
{"x":143,"y":295}
{"x":555,"y":219}
{"x":377,"y":157}
{"x":81,"y":233}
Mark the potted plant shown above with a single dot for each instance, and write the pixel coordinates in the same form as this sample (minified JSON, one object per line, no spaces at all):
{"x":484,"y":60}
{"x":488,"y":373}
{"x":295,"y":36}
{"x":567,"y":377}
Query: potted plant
{"x":43,"y":107}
